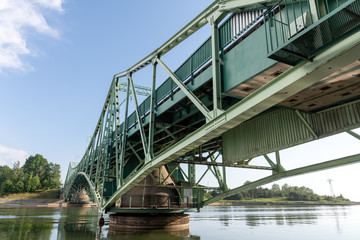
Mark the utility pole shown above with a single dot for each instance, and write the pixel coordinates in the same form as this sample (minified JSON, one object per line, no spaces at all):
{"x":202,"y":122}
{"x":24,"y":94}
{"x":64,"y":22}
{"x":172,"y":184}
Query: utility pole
{"x":331,"y":187}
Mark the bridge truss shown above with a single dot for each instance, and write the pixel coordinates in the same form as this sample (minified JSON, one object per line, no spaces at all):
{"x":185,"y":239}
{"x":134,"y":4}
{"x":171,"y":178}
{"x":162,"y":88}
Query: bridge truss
{"x":205,"y":109}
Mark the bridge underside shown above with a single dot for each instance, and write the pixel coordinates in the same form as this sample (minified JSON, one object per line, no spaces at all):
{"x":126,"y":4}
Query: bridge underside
{"x":234,"y":98}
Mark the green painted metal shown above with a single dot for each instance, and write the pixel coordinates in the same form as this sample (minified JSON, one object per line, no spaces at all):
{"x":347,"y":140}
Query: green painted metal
{"x":216,"y":74}
{"x":293,"y":80}
{"x":354,"y":134}
{"x":284,"y":128}
{"x":139,"y":118}
{"x":202,"y":108}
{"x":119,"y":156}
{"x":253,"y":50}
{"x":150,"y":149}
{"x":217,"y":174}
{"x":273,"y":131}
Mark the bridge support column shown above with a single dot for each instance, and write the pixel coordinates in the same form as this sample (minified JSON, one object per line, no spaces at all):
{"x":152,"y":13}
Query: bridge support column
{"x":148,"y":221}
{"x":80,"y":199}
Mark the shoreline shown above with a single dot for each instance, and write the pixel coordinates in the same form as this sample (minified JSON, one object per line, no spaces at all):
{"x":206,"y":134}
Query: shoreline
{"x":21,"y":203}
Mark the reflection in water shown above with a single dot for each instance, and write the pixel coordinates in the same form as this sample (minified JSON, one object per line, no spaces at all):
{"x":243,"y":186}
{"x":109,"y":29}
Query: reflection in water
{"x":153,"y":234}
{"x":78,"y":222}
{"x":299,"y":221}
{"x":25,"y":223}
{"x":280,"y":219}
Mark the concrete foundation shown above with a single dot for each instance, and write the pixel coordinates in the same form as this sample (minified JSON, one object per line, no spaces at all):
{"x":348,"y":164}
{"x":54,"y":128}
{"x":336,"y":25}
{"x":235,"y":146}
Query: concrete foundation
{"x":80,"y":197}
{"x":151,"y":197}
{"x":165,"y":221}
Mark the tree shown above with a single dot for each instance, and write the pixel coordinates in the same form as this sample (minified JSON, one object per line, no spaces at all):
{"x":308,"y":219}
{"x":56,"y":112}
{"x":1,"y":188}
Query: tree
{"x":27,"y":182}
{"x":35,"y":183}
{"x":276,"y":191}
{"x":8,"y":186}
{"x":37,"y":165}
{"x":37,"y":173}
{"x":54,"y":180}
{"x":5,"y":174}
{"x":19,"y":187}
{"x":285,"y":190}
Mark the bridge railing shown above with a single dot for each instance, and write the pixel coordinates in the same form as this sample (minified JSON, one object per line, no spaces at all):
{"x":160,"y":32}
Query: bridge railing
{"x":296,"y":30}
{"x":156,"y":202}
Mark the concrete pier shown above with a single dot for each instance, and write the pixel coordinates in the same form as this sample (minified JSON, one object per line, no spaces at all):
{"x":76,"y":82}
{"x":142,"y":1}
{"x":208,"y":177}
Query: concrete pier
{"x":165,"y":221}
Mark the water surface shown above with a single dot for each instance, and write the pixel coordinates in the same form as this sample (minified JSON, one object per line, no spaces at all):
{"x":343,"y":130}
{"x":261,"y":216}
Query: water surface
{"x":222,"y":222}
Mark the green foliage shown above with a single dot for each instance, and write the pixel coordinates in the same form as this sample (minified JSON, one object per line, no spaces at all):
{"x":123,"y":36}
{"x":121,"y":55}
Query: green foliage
{"x":302,"y":194}
{"x":19,"y":187}
{"x":35,"y":183}
{"x":286,"y":191}
{"x":335,"y":199}
{"x":37,"y":173}
{"x":8,"y":186}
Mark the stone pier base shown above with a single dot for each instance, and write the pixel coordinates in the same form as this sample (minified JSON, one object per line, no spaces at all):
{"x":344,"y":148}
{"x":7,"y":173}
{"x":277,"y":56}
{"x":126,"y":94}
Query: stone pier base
{"x":142,"y":221}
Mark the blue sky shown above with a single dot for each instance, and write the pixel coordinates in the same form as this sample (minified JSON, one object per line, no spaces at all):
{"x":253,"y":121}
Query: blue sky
{"x":58,"y":57}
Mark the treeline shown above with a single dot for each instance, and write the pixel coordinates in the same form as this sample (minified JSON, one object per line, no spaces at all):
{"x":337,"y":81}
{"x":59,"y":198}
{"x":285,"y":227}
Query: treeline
{"x":287,"y":192}
{"x":37,"y":173}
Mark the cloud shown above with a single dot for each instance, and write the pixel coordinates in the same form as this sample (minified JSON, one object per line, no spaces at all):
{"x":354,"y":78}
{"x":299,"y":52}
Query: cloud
{"x":8,"y":156}
{"x":17,"y":17}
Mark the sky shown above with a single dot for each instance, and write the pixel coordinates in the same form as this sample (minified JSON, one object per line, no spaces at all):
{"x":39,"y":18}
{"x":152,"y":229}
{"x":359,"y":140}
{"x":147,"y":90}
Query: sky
{"x":57,"y":60}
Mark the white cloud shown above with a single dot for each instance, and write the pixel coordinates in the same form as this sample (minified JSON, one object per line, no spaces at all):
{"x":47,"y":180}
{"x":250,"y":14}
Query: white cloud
{"x":8,"y":156}
{"x":17,"y":17}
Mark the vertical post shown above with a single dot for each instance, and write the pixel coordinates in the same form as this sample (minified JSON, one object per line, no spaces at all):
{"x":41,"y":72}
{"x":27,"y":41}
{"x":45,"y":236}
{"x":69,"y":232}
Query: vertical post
{"x":266,"y":35}
{"x":216,"y":76}
{"x":276,"y":32}
{"x":117,"y":134}
{"x":224,"y":177}
{"x":277,"y":156}
{"x":281,"y":24}
{"x":279,"y":168}
{"x":152,"y":112}
{"x":314,"y":10}
{"x":191,"y":174}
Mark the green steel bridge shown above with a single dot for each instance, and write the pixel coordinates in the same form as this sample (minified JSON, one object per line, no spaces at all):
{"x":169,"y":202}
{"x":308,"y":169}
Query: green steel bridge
{"x":272,"y":75}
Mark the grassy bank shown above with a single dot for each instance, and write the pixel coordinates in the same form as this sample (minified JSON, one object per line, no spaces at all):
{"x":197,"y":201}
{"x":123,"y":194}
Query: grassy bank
{"x":46,"y":194}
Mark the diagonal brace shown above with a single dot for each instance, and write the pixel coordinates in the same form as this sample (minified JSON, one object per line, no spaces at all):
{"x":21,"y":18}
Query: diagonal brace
{"x":141,"y":127}
{"x":202,"y":108}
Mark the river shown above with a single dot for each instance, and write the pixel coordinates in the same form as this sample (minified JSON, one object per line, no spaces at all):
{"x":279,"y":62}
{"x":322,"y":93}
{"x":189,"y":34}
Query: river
{"x":218,"y":222}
